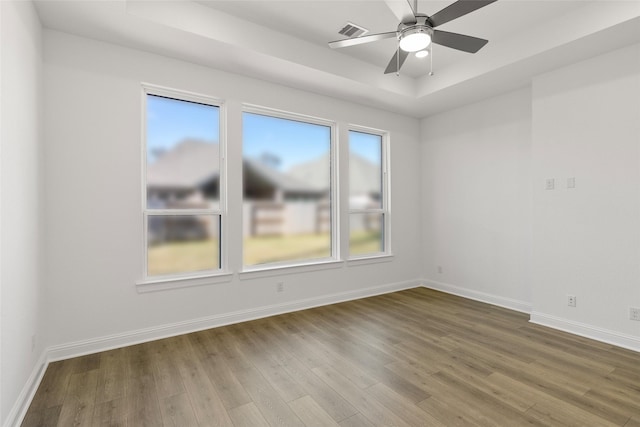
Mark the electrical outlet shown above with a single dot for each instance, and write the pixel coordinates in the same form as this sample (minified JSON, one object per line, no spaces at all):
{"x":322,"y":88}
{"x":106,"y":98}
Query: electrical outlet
{"x":549,"y":184}
{"x":439,"y":269}
{"x":280,"y":287}
{"x":634,"y":313}
{"x":571,"y":300}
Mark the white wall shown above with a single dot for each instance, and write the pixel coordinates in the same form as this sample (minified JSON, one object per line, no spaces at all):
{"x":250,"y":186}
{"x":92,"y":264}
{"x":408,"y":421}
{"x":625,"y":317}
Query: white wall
{"x":586,"y":124}
{"x":20,"y":239}
{"x":499,"y":236}
{"x":93,"y":195}
{"x":476,"y":200}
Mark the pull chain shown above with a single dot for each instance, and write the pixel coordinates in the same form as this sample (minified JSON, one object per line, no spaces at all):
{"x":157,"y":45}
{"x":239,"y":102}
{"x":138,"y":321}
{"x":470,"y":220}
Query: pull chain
{"x":398,"y":59}
{"x":431,"y":59}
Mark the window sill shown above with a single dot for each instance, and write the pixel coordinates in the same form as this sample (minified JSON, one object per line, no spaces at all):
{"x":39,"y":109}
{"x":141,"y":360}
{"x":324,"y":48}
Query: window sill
{"x":373,"y":259}
{"x":154,"y":285}
{"x":277,"y":270}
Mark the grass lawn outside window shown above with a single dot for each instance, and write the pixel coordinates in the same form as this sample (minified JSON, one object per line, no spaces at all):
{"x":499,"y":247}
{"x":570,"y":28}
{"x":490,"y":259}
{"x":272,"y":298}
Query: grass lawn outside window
{"x":170,"y":257}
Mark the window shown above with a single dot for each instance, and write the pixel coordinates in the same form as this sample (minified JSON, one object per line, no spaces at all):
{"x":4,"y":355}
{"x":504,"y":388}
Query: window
{"x":288,"y":212}
{"x":182,"y":212}
{"x":368,"y":210}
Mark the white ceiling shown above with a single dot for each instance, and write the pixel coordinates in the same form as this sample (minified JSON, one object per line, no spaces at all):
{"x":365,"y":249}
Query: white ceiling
{"x":286,"y":42}
{"x":319,"y":21}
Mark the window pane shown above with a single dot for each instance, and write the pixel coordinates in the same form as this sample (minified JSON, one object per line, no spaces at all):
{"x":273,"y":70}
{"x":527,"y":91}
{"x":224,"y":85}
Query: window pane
{"x":183,"y":154}
{"x":365,"y":233}
{"x":287,"y":190}
{"x":365,"y":170}
{"x":182,"y":244}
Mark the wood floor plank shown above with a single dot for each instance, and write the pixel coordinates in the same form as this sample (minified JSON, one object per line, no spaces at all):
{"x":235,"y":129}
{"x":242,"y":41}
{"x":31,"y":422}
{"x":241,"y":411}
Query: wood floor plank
{"x":87,"y":363}
{"x":633,"y":422}
{"x":336,"y":342}
{"x":53,"y":387}
{"x":448,"y":412}
{"x":357,"y":420}
{"x":79,"y":401}
{"x":310,"y":413}
{"x":397,"y":404}
{"x":328,"y":399}
{"x":629,"y":377}
{"x":247,"y":415}
{"x":483,"y":402}
{"x":273,"y":408}
{"x":291,"y":352}
{"x":212,"y":360}
{"x":112,"y":376}
{"x":165,"y":372}
{"x":375,"y":412}
{"x":143,"y":408}
{"x":365,"y":375}
{"x":353,"y":371}
{"x":278,"y":378}
{"x":409,"y":358}
{"x":206,"y":403}
{"x":47,"y":417}
{"x":555,"y":412}
{"x":138,"y":360}
{"x":177,"y":411}
{"x":297,"y":345}
{"x":112,"y":413}
{"x":226,"y":341}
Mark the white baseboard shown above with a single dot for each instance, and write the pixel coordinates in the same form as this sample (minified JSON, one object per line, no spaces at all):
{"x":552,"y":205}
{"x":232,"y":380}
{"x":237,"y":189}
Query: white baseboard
{"x":94,"y":345}
{"x":588,"y":331}
{"x":19,"y":410}
{"x":509,"y":303}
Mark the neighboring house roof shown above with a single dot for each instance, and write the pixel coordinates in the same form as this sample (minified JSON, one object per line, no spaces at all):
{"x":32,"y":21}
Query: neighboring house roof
{"x":190,"y":164}
{"x":314,"y":173}
{"x":193,"y":163}
{"x":285,"y":182}
{"x":364,"y":176}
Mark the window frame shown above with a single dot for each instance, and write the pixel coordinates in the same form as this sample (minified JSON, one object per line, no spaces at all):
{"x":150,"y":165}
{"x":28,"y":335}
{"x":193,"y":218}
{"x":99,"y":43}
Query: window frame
{"x":247,"y":270}
{"x":385,"y":208}
{"x":195,"y":277}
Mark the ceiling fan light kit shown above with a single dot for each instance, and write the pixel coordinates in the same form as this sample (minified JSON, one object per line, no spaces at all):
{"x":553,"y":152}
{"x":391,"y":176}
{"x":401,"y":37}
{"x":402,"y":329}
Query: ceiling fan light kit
{"x":415,"y":38}
{"x":416,"y":32}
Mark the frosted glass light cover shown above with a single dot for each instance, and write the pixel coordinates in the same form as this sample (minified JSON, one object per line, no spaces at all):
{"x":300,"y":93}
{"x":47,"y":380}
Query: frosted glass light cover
{"x":415,"y":41}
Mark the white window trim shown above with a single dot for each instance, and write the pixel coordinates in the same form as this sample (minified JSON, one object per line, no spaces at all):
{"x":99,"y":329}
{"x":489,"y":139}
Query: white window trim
{"x":196,"y":278}
{"x":270,"y":270}
{"x":154,"y":285}
{"x":250,"y":271}
{"x":386,"y":254}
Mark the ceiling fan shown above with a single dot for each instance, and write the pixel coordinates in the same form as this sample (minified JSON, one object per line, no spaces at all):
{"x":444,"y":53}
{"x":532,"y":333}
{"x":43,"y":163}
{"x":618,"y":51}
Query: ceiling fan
{"x":417,"y":30}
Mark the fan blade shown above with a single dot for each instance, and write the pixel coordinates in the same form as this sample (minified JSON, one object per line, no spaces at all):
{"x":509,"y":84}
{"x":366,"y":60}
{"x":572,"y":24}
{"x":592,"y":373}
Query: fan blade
{"x":457,"y":9}
{"x":403,"y":10}
{"x":361,"y":40}
{"x":458,"y":41}
{"x":393,"y":64}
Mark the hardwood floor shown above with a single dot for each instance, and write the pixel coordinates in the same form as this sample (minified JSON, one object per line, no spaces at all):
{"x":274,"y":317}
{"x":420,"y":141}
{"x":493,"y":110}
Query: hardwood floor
{"x":411,"y":358}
